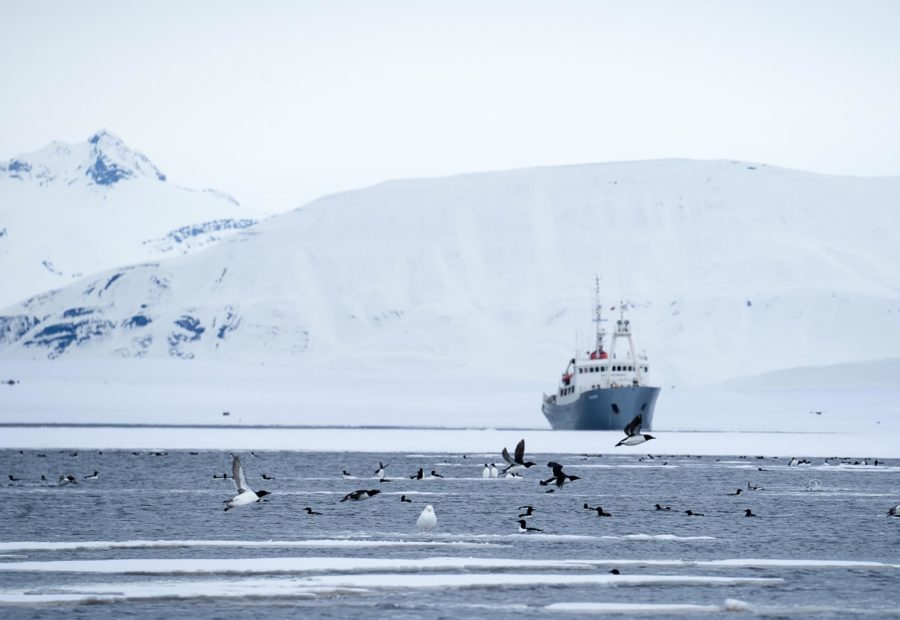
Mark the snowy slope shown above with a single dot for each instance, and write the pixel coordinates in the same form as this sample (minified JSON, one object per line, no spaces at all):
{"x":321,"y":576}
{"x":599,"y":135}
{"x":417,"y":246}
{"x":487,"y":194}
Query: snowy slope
{"x":730,"y":268}
{"x":69,"y":210}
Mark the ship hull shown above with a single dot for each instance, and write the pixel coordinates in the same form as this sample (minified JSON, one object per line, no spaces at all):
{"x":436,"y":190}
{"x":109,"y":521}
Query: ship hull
{"x":604,"y":409}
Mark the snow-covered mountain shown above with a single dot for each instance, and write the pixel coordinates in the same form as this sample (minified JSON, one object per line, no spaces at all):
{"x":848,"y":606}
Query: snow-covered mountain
{"x":70,"y":210}
{"x":729,"y":269}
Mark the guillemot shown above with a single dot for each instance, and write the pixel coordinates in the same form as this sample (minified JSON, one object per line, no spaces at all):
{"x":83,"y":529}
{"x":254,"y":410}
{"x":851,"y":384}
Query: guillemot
{"x":357,"y":496}
{"x":633,"y":433}
{"x":661,"y":507}
{"x":379,"y":473}
{"x":894,"y":511}
{"x":93,"y":476}
{"x":558,"y":475}
{"x":245,"y":495}
{"x":524,"y":527}
{"x":310,"y":511}
{"x":517,"y":463}
{"x":405,"y":500}
{"x":748,"y":513}
{"x":529,"y":511}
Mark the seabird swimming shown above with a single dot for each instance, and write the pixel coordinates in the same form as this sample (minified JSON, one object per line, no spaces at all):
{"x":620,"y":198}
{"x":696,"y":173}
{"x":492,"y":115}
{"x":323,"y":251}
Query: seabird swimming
{"x":267,"y":477}
{"x":748,"y":513}
{"x":418,"y":475}
{"x":691,"y":513}
{"x":346,"y":475}
{"x":529,"y":512}
{"x":93,"y":476}
{"x":753,"y":487}
{"x":358,"y":496}
{"x":661,"y":507}
{"x":405,"y":499}
{"x":518,"y":462}
{"x":427,"y":520}
{"x":379,"y":473}
{"x":894,"y":511}
{"x":614,"y":571}
{"x":601,"y":512}
{"x":486,"y":472}
{"x":633,"y":432}
{"x":523,"y":527}
{"x":66,"y":479}
{"x":434,"y":474}
{"x":494,"y":472}
{"x":310,"y":511}
{"x":245,"y":495}
{"x":13,"y":478}
{"x":737,"y":492}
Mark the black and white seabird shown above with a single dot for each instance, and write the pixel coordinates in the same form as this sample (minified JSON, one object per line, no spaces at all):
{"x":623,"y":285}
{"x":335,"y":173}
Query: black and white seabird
{"x":529,"y":512}
{"x":66,"y":479}
{"x":346,"y":475}
{"x":524,"y":527}
{"x":434,"y":474}
{"x":662,"y":507}
{"x":517,"y":463}
{"x":245,"y":495}
{"x":691,"y":513}
{"x":310,"y":511}
{"x":601,"y":512}
{"x":427,"y":519}
{"x":494,"y":471}
{"x":633,"y":432}
{"x":894,"y":511}
{"x":559,"y":476}
{"x":748,"y":513}
{"x":358,"y":496}
{"x":486,"y":472}
{"x":753,"y":487}
{"x":267,"y":477}
{"x":93,"y":476}
{"x":379,"y":473}
{"x":14,"y":479}
{"x":737,"y":492}
{"x":405,"y":499}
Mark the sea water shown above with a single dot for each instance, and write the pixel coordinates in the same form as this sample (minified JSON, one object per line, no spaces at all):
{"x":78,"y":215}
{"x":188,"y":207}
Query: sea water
{"x":150,"y":537}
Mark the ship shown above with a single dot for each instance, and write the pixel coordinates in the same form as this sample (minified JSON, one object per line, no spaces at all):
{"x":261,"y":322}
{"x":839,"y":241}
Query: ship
{"x":604,"y":390}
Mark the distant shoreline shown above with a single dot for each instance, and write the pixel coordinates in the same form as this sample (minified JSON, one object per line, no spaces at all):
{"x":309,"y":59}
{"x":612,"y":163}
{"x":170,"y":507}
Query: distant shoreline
{"x":487,"y":441}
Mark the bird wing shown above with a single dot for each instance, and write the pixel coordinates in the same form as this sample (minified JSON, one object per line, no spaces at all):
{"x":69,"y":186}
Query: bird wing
{"x":237,"y":473}
{"x":634,"y":427}
{"x":506,"y":457}
{"x":520,"y":451}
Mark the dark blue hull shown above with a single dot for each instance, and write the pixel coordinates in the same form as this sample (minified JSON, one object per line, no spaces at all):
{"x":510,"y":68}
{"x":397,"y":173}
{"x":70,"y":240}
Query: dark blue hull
{"x":608,"y":409}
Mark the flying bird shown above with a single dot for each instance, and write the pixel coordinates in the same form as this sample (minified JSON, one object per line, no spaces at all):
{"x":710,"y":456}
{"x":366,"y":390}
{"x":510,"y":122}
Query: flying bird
{"x":633,"y":432}
{"x":358,"y":496}
{"x":245,"y":495}
{"x":894,"y":511}
{"x":379,"y":473}
{"x":524,"y":527}
{"x":517,"y":463}
{"x":559,"y":476}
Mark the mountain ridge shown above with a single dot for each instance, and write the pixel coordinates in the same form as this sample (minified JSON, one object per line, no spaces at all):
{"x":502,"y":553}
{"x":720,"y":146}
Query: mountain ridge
{"x":730,"y":268}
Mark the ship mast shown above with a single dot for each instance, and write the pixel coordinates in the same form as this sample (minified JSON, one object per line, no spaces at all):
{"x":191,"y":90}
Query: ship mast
{"x":598,"y":318}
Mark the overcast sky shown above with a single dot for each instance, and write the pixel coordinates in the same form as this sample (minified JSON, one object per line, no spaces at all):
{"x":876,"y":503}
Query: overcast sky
{"x":280,"y":102}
